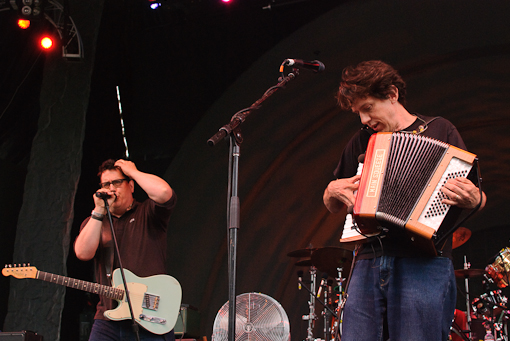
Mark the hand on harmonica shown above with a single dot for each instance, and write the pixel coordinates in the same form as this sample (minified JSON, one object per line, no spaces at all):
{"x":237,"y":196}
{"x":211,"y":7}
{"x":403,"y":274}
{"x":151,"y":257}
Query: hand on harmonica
{"x":462,"y":192}
{"x":340,"y":192}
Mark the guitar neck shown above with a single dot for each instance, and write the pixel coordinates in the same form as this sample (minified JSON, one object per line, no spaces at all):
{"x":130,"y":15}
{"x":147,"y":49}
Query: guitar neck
{"x":103,"y":290}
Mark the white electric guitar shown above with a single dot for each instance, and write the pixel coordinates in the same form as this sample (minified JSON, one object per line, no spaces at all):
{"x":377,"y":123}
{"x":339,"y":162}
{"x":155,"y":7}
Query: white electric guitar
{"x":156,"y":300}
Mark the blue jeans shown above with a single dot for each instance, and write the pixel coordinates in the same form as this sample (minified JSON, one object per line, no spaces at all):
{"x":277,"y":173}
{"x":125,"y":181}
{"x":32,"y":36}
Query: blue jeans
{"x":103,"y":330}
{"x":405,"y":299}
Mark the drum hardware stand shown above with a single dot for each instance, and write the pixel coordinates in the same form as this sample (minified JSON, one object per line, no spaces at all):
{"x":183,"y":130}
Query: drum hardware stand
{"x":339,"y":281}
{"x":491,"y":302}
{"x":501,"y":327}
{"x":329,"y":317}
{"x":491,"y":324}
{"x":486,"y":308}
{"x":311,"y":317}
{"x":468,"y":300}
{"x":335,"y":329}
{"x":325,"y":313}
{"x":343,"y":298}
{"x":458,"y":330}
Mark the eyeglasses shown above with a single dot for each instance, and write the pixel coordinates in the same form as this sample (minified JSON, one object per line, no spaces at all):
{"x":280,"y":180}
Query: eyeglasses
{"x":115,"y":183}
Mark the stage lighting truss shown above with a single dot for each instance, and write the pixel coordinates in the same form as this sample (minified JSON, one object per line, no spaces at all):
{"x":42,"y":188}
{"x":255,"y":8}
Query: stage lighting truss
{"x":72,"y":45}
{"x":56,"y":14}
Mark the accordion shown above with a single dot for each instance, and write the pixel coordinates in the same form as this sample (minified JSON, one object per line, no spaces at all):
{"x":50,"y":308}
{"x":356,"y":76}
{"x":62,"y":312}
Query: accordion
{"x":401,"y":181}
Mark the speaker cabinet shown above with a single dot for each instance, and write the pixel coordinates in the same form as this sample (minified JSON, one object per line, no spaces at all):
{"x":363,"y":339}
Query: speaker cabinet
{"x":23,"y":335}
{"x":188,"y":323}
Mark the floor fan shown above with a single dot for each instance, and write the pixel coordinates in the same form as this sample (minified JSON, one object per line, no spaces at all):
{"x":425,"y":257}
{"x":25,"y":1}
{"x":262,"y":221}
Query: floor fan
{"x":258,"y":318}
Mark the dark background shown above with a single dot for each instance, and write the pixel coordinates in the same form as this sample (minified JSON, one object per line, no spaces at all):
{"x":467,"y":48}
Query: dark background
{"x":186,"y":68}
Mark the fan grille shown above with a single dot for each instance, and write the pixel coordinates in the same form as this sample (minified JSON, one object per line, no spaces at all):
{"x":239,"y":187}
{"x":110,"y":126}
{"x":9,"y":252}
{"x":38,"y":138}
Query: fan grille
{"x":258,"y":318}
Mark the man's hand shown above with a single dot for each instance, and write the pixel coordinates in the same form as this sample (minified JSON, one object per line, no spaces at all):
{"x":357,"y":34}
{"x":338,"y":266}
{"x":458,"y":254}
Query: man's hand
{"x":462,"y":193}
{"x":341,"y":192}
{"x":127,"y":167}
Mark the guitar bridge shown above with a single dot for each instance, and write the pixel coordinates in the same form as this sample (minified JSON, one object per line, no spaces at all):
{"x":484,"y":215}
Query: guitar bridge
{"x":150,"y":302}
{"x":152,"y":319}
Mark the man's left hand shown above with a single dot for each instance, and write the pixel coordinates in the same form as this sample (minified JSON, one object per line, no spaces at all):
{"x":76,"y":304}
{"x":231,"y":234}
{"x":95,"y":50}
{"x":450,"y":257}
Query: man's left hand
{"x":127,"y":167}
{"x":462,"y":193}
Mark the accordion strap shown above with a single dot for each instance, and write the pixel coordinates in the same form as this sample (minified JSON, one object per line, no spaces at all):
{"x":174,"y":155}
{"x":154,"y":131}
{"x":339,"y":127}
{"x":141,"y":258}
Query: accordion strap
{"x":430,"y":119}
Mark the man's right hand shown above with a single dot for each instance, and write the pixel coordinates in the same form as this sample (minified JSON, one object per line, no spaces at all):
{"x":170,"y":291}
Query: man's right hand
{"x":99,"y":202}
{"x":341,"y":192}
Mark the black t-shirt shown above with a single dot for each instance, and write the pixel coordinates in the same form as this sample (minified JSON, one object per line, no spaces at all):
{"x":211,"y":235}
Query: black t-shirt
{"x":396,"y":242}
{"x":141,"y":236}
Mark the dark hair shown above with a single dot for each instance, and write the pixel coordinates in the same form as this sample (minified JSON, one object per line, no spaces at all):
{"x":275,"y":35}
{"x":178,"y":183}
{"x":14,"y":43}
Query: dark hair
{"x":109,"y":165}
{"x":370,"y":78}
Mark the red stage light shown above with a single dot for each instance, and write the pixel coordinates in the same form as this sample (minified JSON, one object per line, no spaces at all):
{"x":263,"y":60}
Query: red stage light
{"x":46,"y":42}
{"x":24,"y":23}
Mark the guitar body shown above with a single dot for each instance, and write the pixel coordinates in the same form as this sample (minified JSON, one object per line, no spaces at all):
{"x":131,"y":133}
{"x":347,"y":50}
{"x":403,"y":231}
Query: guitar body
{"x":168,"y":292}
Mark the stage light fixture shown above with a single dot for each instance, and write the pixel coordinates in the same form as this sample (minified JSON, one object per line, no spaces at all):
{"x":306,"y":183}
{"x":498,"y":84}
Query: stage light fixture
{"x":32,"y":12}
{"x":23,"y":23}
{"x":46,"y":42}
{"x":30,"y":8}
{"x":154,"y":4}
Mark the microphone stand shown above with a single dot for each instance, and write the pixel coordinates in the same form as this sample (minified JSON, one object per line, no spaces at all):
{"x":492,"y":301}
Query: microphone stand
{"x":128,"y":299}
{"x":233,"y":129}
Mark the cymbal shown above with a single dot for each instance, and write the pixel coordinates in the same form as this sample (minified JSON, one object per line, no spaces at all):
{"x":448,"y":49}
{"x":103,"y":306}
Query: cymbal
{"x":466,"y":273}
{"x":301,"y":253}
{"x":460,"y":236}
{"x":328,"y":259}
{"x":304,"y":262}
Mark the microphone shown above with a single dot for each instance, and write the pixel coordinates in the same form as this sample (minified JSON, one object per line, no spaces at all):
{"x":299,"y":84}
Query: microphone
{"x":323,"y":283}
{"x":314,"y":65}
{"x":300,"y":278}
{"x":103,"y":195}
{"x":361,"y":158}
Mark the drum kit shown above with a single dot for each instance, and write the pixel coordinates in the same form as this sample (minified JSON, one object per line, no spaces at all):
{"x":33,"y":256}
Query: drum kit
{"x":333,"y":262}
{"x":486,"y":314}
{"x":489,"y":312}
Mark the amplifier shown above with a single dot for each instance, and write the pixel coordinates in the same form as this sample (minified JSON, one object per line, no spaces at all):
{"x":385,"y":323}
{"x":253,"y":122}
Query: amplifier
{"x":23,"y":335}
{"x":188,"y":322}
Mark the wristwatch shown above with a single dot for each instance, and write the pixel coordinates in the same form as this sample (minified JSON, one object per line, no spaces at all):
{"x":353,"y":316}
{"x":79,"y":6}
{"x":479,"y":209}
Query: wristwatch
{"x":97,"y":216}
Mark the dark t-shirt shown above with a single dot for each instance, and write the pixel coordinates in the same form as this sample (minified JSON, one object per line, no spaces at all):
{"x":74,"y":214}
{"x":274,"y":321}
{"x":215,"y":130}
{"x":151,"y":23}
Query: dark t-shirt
{"x":396,"y":242}
{"x":141,"y":236}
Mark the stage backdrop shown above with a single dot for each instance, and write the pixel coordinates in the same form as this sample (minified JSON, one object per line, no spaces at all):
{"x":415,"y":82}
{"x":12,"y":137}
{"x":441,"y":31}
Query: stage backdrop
{"x":455,"y":60}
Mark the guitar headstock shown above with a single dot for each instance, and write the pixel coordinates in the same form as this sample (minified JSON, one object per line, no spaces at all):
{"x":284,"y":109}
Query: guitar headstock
{"x":20,"y":272}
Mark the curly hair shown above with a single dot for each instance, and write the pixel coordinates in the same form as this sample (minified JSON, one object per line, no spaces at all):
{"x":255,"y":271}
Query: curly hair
{"x":109,"y":165}
{"x":370,"y":78}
